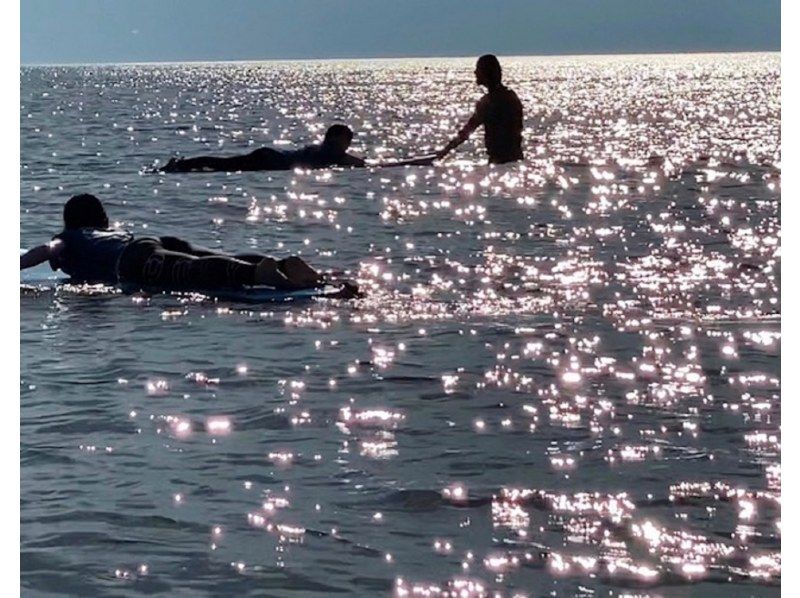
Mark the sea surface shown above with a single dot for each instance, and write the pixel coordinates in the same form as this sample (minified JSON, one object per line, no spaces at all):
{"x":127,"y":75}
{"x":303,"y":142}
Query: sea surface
{"x":564,"y":378}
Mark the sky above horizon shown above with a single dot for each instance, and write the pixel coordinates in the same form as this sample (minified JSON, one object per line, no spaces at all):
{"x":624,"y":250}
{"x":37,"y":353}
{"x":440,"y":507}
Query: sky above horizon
{"x":90,"y":31}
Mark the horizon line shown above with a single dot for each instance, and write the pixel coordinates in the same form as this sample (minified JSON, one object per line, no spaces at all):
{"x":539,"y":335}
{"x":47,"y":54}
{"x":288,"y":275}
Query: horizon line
{"x":388,"y":58}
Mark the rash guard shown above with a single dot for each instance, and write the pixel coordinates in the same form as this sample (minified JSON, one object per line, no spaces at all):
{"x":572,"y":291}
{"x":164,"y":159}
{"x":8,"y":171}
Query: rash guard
{"x":91,"y":255}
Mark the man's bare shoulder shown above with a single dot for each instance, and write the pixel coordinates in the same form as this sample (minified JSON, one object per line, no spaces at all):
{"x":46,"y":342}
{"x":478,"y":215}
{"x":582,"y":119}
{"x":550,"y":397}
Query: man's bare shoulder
{"x":483,"y":102}
{"x":511,"y":94}
{"x":511,"y":100}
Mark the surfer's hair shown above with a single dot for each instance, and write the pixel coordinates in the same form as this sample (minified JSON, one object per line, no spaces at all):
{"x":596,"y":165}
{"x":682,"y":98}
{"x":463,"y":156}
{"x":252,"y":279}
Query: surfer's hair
{"x":335,"y":131}
{"x":85,"y":211}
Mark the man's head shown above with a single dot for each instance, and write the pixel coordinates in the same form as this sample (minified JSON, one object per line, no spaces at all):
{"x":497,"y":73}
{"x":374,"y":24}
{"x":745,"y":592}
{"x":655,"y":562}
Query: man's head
{"x":488,"y":72}
{"x":338,"y":137}
{"x":85,"y":211}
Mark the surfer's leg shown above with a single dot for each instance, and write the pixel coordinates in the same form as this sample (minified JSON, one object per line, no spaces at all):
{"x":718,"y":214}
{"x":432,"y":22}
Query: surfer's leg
{"x":201,"y":163}
{"x":251,"y":258}
{"x":146,"y":263}
{"x":181,"y":246}
{"x":223,"y":272}
{"x":291,"y":271}
{"x":217,"y":272}
{"x":182,"y":271}
{"x":295,"y":265}
{"x":266,"y":158}
{"x":268,"y":273}
{"x":173,"y":264}
{"x":299,"y":272}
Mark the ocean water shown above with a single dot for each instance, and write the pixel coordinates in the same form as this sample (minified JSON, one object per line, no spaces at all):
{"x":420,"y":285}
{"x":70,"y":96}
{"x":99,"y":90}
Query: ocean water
{"x":564,"y":378}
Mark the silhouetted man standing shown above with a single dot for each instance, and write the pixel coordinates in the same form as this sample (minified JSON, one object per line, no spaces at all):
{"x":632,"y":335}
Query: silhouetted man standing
{"x":500,"y":113}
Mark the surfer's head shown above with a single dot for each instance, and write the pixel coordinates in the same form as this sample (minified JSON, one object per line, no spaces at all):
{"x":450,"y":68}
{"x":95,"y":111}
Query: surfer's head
{"x":488,"y":72}
{"x":85,"y":211}
{"x":338,"y":137}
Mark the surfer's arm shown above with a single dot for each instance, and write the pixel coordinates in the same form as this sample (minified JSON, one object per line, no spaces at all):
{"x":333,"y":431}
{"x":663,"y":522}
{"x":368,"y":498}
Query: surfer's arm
{"x":475,"y":121}
{"x":40,"y":254}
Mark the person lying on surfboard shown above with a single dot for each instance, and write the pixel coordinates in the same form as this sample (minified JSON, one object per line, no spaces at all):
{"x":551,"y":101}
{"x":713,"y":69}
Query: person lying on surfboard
{"x":88,"y":250}
{"x":331,"y":152}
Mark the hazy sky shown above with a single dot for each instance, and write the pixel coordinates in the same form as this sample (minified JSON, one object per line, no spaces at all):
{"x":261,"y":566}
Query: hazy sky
{"x":67,"y":31}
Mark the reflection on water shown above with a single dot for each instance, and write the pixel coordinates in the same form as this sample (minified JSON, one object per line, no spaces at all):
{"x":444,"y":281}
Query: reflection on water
{"x":564,"y":377}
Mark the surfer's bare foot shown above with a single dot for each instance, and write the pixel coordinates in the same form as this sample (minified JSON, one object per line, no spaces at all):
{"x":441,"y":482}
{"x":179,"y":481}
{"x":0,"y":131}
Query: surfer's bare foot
{"x":169,"y":166}
{"x":349,"y":290}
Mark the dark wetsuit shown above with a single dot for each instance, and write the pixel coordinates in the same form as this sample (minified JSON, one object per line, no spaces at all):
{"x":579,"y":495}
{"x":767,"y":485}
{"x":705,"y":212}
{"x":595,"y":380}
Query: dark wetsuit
{"x":266,"y":158}
{"x":168,"y":263}
{"x":91,"y":255}
{"x":172,"y":264}
{"x":500,"y":113}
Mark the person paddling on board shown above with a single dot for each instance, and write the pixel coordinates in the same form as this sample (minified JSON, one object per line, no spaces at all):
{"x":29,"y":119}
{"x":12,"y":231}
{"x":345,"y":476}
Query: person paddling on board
{"x":88,"y":250}
{"x":500,"y":113}
{"x":331,"y":152}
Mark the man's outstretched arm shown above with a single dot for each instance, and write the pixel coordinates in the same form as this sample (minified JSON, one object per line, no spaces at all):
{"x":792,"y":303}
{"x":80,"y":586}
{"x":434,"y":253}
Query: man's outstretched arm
{"x":40,"y":254}
{"x":475,"y":121}
{"x":423,"y":161}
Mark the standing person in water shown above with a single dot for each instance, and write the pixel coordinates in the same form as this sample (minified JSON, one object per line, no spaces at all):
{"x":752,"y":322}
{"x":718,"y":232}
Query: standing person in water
{"x":90,"y":251}
{"x":500,"y":113}
{"x":331,"y":152}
